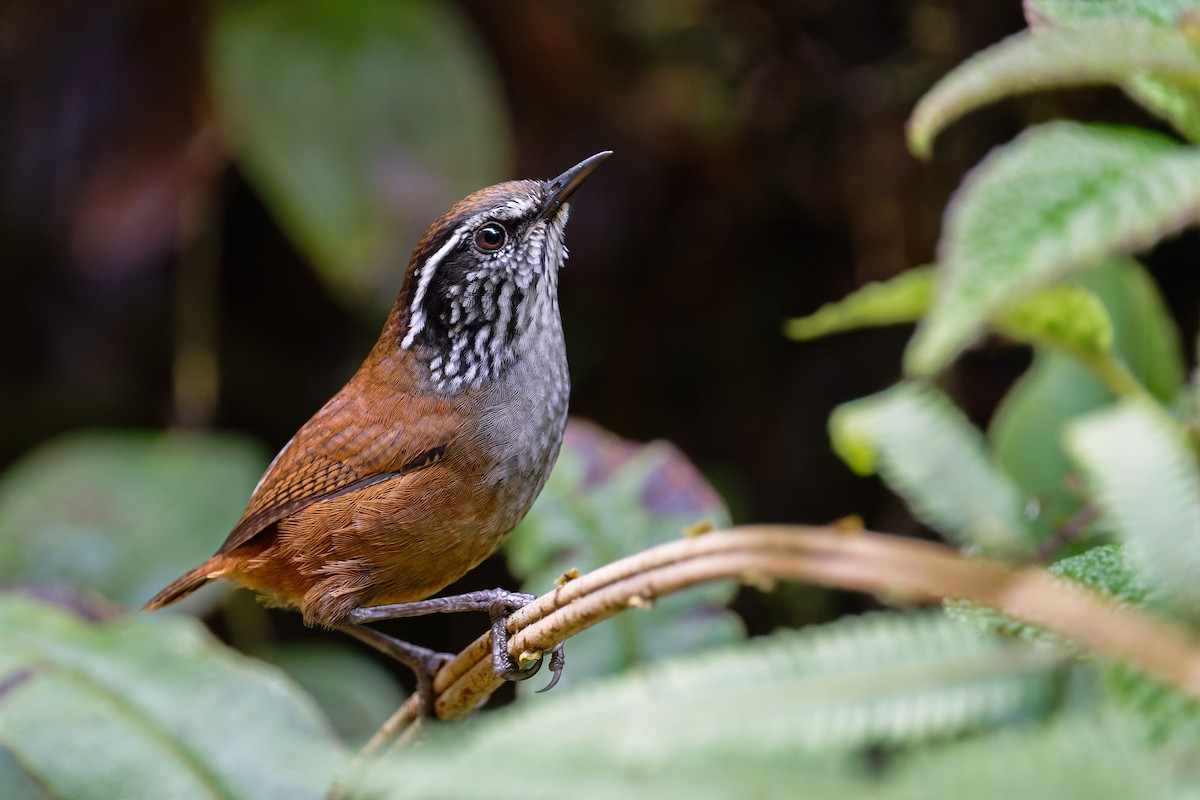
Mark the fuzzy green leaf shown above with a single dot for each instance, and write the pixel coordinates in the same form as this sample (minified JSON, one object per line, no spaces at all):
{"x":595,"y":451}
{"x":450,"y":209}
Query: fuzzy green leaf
{"x":903,"y":298}
{"x":1078,"y":53}
{"x":1177,"y":103}
{"x":358,"y":122}
{"x":122,"y":513}
{"x":1058,"y":200}
{"x":1161,"y":12}
{"x":1144,"y":476}
{"x":925,"y":449}
{"x":1079,"y":758}
{"x":608,"y":498}
{"x":1026,"y":430}
{"x":1158,"y":711}
{"x":149,"y":708}
{"x":776,"y":701}
{"x":1067,"y":318}
{"x":356,"y":693}
{"x":1105,"y":568}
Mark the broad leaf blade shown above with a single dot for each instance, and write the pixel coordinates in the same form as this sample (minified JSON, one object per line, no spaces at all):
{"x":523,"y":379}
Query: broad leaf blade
{"x":122,"y":513}
{"x":151,"y":708}
{"x":1060,"y":199}
{"x":1092,"y":757}
{"x":1079,"y":53}
{"x":1026,"y":430}
{"x":1144,"y":476}
{"x":1068,"y":318}
{"x":903,"y":298}
{"x":609,"y":498}
{"x":796,"y":703}
{"x":1161,"y":12}
{"x":1175,"y":102}
{"x":359,"y":122}
{"x":928,"y":453}
{"x":356,"y":693}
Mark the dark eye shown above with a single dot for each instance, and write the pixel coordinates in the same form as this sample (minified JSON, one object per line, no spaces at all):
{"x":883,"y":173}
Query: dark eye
{"x":491,"y":237}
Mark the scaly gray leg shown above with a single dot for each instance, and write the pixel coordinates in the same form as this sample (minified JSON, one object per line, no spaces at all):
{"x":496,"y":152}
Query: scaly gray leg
{"x":498,"y":603}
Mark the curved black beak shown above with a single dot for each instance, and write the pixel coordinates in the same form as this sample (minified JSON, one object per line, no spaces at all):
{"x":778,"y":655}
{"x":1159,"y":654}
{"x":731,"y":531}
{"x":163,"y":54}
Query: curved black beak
{"x":560,"y":189}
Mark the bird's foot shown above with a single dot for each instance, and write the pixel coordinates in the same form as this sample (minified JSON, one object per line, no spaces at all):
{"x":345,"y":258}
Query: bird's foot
{"x":503,"y":665}
{"x":498,"y":603}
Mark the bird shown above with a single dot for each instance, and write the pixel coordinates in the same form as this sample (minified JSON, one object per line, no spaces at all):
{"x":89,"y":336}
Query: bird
{"x":419,"y":467}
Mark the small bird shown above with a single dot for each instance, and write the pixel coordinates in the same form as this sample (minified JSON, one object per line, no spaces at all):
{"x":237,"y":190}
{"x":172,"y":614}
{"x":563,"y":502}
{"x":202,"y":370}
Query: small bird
{"x":417,"y":469}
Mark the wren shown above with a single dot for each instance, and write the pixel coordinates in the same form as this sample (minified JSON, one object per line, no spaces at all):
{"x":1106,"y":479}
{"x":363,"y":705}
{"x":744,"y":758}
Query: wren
{"x":420,"y":466}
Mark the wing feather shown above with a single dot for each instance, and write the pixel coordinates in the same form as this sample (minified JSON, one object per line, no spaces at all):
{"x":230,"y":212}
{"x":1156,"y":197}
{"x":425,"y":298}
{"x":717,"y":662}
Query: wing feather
{"x":366,"y":433}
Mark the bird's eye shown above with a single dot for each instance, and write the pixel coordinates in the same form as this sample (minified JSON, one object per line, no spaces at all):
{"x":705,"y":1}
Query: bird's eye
{"x":491,"y":237}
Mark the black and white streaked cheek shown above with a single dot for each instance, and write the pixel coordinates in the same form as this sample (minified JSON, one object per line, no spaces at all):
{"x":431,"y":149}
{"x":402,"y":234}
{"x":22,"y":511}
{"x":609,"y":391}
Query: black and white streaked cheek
{"x":472,"y":309}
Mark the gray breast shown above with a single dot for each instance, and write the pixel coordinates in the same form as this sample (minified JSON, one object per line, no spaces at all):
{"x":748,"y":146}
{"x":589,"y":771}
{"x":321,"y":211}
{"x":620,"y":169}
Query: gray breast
{"x":523,"y":418}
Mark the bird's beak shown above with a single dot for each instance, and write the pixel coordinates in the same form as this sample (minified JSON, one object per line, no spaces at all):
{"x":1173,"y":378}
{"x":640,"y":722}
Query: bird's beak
{"x":559,"y":190}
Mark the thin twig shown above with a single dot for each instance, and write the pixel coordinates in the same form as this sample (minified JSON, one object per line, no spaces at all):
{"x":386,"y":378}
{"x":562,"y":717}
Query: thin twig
{"x":895,"y":569}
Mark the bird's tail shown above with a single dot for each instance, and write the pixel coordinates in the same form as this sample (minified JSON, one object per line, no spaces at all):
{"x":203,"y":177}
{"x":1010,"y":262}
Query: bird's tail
{"x":187,"y":583}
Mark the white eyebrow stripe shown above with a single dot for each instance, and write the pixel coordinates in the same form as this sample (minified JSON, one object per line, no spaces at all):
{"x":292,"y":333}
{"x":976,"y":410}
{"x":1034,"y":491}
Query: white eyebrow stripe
{"x":417,"y":317}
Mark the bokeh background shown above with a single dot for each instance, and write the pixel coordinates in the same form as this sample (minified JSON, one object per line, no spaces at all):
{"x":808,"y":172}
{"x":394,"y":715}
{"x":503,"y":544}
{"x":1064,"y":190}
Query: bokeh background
{"x":206,"y":207}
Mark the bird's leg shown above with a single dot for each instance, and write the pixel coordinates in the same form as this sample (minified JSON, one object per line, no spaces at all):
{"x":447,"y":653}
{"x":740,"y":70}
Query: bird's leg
{"x":421,"y":660}
{"x":498,"y":603}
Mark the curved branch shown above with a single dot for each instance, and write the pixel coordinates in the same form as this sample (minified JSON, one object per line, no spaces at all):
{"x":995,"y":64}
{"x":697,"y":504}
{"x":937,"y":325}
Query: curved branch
{"x":897,"y":570}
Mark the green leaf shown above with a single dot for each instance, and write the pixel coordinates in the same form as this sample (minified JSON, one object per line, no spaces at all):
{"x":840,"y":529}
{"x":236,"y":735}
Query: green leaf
{"x":1106,"y":568}
{"x":1084,"y":757}
{"x":1058,"y":200}
{"x":356,"y":693}
{"x":774,"y":702}
{"x":1078,"y":53}
{"x":1026,"y":430}
{"x":1144,"y":477}
{"x":359,"y":122}
{"x":1161,"y":12}
{"x":149,"y":708}
{"x":122,"y":513}
{"x":928,"y":453}
{"x":1066,"y":317}
{"x":1026,"y":435}
{"x":1177,"y":103}
{"x":608,"y":498}
{"x":903,"y":298}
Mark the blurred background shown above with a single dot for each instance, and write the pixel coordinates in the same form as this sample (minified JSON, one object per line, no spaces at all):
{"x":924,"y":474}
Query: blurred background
{"x":206,"y":208}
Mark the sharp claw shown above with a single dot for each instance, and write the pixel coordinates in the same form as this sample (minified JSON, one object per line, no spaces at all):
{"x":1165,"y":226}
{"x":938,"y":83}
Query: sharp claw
{"x":557,"y":660}
{"x":503,"y":665}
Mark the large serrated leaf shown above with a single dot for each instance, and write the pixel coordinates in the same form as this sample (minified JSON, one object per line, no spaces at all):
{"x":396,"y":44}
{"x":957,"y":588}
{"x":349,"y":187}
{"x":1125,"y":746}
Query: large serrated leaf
{"x":360,"y":122}
{"x":149,"y":708}
{"x":777,"y":701}
{"x":1026,"y":431}
{"x":1058,"y":200}
{"x":122,"y":512}
{"x":1098,"y":51}
{"x":1144,"y":476}
{"x":356,"y":693}
{"x":925,"y":449}
{"x":608,"y":498}
{"x":1106,"y":568}
{"x":1079,"y":758}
